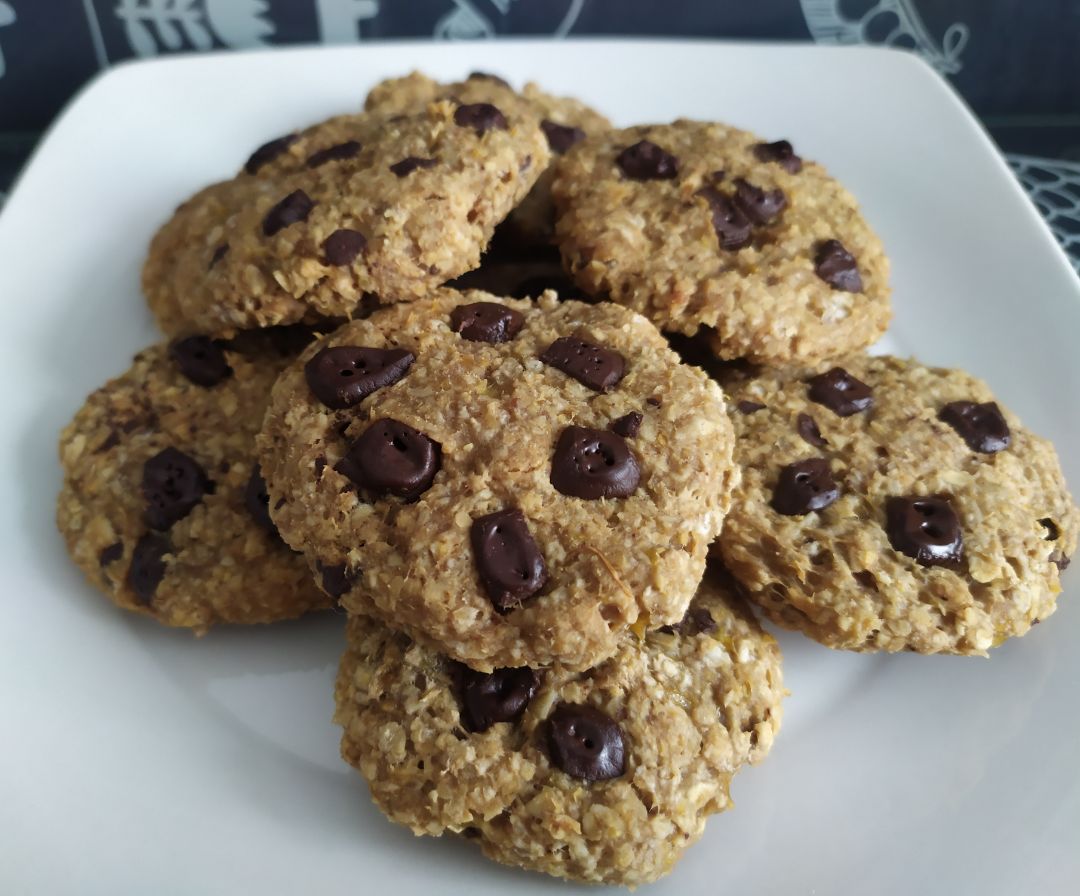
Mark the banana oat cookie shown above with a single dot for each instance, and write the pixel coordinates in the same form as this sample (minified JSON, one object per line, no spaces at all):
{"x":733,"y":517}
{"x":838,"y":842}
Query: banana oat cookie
{"x":605,"y":775}
{"x":510,"y":483}
{"x":162,"y":505}
{"x":698,"y":224}
{"x":408,"y":204}
{"x":885,"y":505}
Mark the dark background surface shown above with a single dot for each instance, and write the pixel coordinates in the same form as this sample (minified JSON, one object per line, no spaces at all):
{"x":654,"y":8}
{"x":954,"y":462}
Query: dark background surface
{"x":1016,"y":62}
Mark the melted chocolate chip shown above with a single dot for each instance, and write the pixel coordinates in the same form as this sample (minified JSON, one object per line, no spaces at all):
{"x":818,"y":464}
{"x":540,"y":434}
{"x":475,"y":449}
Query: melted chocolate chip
{"x":292,"y":209}
{"x":926,"y":529}
{"x":335,"y":578}
{"x":749,"y":407}
{"x":342,"y":247}
{"x":780,"y":152}
{"x":592,"y":464}
{"x":268,"y":152}
{"x":561,"y":137}
{"x":486,"y":322}
{"x":760,"y":206}
{"x":344,"y":375}
{"x":696,"y":621}
{"x":508,"y":560}
{"x":487,"y":699}
{"x":347,"y":150}
{"x":731,"y":225}
{"x":803,"y":487}
{"x":172,"y":484}
{"x":481,"y":117}
{"x":147,"y":566}
{"x":808,"y":429}
{"x":627,"y":425}
{"x":392,"y":458}
{"x":840,"y":392}
{"x":487,"y":76}
{"x":836,"y":266}
{"x":647,"y":161}
{"x":110,"y":554}
{"x":585,"y":742}
{"x":982,"y":426}
{"x":257,"y":501}
{"x":201,"y":360}
{"x":219,"y":253}
{"x":598,"y":368}
{"x":410,"y":163}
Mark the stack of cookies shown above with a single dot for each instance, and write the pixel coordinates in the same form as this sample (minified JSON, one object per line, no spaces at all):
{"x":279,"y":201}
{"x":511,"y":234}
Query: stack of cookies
{"x":544,"y":405}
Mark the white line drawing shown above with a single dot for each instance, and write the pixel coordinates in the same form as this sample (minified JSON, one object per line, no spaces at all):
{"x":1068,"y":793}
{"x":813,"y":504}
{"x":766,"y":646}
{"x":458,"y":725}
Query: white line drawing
{"x":339,"y":20}
{"x":152,"y":26}
{"x":898,"y":19}
{"x":95,"y":33}
{"x":468,"y":21}
{"x":1054,"y":187}
{"x":7,"y":17}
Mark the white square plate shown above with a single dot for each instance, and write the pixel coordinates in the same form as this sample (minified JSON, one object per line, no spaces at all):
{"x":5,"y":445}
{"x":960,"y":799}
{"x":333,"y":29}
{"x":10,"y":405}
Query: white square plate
{"x":140,"y":760}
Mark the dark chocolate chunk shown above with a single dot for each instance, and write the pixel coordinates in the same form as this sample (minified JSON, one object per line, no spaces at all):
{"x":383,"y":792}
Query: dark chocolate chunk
{"x":561,"y":137}
{"x":219,"y":253}
{"x":592,"y":464}
{"x":836,"y":266}
{"x":292,"y":209}
{"x":760,"y":206}
{"x":585,"y":742}
{"x":647,"y":161}
{"x":591,"y":365}
{"x":342,"y":246}
{"x":696,"y":621}
{"x":347,"y":150}
{"x":808,"y":429}
{"x":344,"y":375}
{"x":508,"y":560}
{"x":392,"y":458}
{"x":148,"y":565}
{"x":268,"y":152}
{"x":804,"y":486}
{"x":481,"y":117}
{"x":257,"y":501}
{"x":172,"y":484}
{"x":486,"y":322}
{"x":410,"y":163}
{"x":490,"y":698}
{"x":1053,"y":531}
{"x":201,"y":360}
{"x":110,"y":554}
{"x":731,"y":225}
{"x":780,"y":152}
{"x":335,"y":578}
{"x":926,"y":529}
{"x":982,"y":426}
{"x":840,"y":392}
{"x":749,"y":407}
{"x":627,"y":425}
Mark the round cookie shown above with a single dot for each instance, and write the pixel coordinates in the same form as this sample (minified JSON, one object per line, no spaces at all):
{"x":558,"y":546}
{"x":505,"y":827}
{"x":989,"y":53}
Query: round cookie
{"x":161,"y":506}
{"x":507,"y":503}
{"x":443,"y":748}
{"x":885,"y":505}
{"x":697,"y":224}
{"x":395,"y":215}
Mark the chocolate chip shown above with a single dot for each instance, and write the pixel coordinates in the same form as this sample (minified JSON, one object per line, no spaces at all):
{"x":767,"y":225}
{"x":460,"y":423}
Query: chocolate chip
{"x":808,"y":429}
{"x":731,"y":225}
{"x":110,"y":554}
{"x":561,"y":137}
{"x":592,"y":463}
{"x":647,"y":161}
{"x":926,"y":529}
{"x":585,"y":742}
{"x":172,"y":484}
{"x":598,"y":368}
{"x":509,"y":562}
{"x":654,"y":401}
{"x":840,"y":392}
{"x":749,"y":407}
{"x":335,"y":578}
{"x":490,"y":698}
{"x":487,"y":76}
{"x":147,"y":565}
{"x":481,"y":117}
{"x":342,"y":246}
{"x":760,"y":206}
{"x":836,"y":266}
{"x":219,"y":253}
{"x":392,"y":458}
{"x":410,"y":163}
{"x":344,"y":375}
{"x":257,"y":501}
{"x":696,"y":621}
{"x":982,"y":426}
{"x":109,"y":442}
{"x":201,"y":360}
{"x":1053,"y":531}
{"x":268,"y":152}
{"x":347,"y":150}
{"x":320,"y":465}
{"x":780,"y":152}
{"x":293,"y":208}
{"x":804,"y":486}
{"x":627,"y":425}
{"x":486,"y":322}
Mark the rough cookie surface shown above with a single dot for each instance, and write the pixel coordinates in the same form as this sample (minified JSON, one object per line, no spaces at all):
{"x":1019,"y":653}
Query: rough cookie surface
{"x":647,"y":226}
{"x":496,"y":414}
{"x":692,"y":706}
{"x":194,"y":554}
{"x":849,"y":574}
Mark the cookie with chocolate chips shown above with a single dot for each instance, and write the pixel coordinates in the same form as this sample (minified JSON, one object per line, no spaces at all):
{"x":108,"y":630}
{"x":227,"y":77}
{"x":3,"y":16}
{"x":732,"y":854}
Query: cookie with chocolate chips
{"x":460,"y":460}
{"x":886,"y":505}
{"x":361,"y":205}
{"x":163,"y":506}
{"x":700,"y":226}
{"x":604,"y":775}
